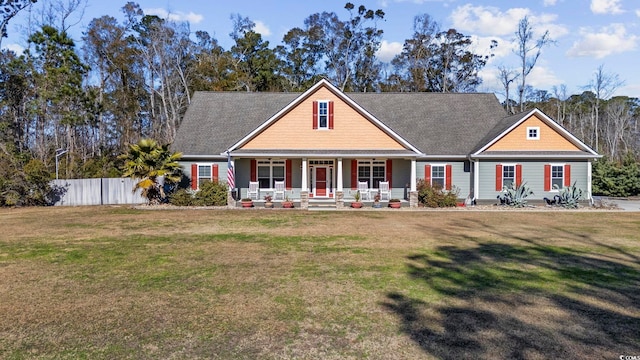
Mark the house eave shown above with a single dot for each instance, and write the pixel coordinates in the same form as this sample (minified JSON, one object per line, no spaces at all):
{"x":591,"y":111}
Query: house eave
{"x":203,"y":157}
{"x":534,"y":156}
{"x":442,"y":157}
{"x":323,"y":154}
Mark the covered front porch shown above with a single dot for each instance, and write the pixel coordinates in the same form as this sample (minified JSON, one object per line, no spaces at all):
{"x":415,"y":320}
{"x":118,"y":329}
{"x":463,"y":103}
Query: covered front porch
{"x":314,"y":179}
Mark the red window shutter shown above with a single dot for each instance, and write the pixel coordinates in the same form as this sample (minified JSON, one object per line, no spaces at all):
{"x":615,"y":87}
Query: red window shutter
{"x":427,"y":174}
{"x":518,"y":174}
{"x":254,"y":168}
{"x":567,"y":175}
{"x":389,"y":171}
{"x":354,"y":174}
{"x":499,"y":177}
{"x":447,"y":180}
{"x":194,"y":176}
{"x":330,"y":114}
{"x":547,"y":178}
{"x":315,"y":114}
{"x":287,"y":174}
{"x":214,"y":173}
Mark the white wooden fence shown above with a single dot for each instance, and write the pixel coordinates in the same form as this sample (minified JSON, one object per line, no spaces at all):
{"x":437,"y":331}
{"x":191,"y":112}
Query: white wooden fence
{"x":104,"y":191}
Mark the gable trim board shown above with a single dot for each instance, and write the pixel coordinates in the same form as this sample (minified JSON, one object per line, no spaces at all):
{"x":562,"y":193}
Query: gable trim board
{"x":456,"y":130}
{"x":549,"y":122}
{"x":335,"y":91}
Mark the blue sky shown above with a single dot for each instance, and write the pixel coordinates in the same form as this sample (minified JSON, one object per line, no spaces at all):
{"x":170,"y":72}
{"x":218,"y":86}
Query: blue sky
{"x":587,"y":33}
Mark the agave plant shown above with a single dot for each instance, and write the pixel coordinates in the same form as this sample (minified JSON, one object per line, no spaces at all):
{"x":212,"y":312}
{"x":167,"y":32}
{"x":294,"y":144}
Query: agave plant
{"x":570,"y":196}
{"x":515,"y":196}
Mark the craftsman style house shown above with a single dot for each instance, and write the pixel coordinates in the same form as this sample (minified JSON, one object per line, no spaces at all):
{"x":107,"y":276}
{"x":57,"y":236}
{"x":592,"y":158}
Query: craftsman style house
{"x":324,"y":145}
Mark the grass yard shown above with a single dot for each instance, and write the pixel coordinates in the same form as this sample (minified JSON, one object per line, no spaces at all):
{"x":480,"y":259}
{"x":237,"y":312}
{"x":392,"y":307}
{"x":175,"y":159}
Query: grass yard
{"x":114,"y":282}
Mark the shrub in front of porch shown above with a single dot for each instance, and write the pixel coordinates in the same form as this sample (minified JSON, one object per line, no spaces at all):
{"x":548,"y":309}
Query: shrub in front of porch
{"x":435,"y":196}
{"x":210,"y":194}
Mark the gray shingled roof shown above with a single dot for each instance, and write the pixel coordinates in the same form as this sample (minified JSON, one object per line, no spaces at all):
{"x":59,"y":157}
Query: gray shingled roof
{"x":217,"y":120}
{"x":500,"y":127}
{"x":435,"y":123}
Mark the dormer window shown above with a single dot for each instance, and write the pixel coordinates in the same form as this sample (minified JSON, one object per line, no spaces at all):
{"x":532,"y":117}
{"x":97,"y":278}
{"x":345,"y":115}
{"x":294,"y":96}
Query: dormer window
{"x":323,"y":114}
{"x":533,"y":133}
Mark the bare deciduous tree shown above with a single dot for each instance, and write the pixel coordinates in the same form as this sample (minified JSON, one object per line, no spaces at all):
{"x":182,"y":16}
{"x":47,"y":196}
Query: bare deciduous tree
{"x":603,"y":85}
{"x":529,"y":50}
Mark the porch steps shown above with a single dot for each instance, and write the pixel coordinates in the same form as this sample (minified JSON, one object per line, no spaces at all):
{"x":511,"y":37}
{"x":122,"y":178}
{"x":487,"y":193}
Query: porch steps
{"x":322,"y":205}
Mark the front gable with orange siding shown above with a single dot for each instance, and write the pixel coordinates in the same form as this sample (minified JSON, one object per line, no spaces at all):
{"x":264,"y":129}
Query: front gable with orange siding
{"x":293,"y":129}
{"x":549,"y":139}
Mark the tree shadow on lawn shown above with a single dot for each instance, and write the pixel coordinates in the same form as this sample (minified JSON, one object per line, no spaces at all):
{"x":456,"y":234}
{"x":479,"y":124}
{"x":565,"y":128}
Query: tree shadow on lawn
{"x":521,"y":302}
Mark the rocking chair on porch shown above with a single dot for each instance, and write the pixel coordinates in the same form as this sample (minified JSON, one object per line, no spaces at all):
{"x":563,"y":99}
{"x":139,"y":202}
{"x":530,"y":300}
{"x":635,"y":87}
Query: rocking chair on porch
{"x":363,"y":188}
{"x":254,"y":190}
{"x":385,"y":192}
{"x":278,"y":192}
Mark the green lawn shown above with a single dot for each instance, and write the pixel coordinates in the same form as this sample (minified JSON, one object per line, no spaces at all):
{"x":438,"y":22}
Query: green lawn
{"x":115,"y":282}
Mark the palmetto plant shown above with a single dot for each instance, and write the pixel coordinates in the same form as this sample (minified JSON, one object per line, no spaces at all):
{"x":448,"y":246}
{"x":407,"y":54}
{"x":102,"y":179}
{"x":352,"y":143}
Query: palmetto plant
{"x":148,"y":161}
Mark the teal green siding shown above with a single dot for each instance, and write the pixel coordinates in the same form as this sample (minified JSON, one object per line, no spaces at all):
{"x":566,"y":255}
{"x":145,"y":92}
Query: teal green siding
{"x":459,"y":178}
{"x":532,"y":175}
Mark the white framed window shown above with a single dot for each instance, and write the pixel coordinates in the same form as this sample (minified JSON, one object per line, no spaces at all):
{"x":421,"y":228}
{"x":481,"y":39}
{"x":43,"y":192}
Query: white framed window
{"x":270,"y":171}
{"x":508,"y":175}
{"x":557,"y":177}
{"x":372,"y":171}
{"x":204,"y":174}
{"x":323,"y":115}
{"x":533,"y":133}
{"x":438,"y":176}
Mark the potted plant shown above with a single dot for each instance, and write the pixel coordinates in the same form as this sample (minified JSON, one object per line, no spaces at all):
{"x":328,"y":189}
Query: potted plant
{"x":246,"y":203}
{"x":267,"y":201}
{"x":376,"y":201}
{"x":356,"y":204}
{"x":287,"y":203}
{"x":394,"y":203}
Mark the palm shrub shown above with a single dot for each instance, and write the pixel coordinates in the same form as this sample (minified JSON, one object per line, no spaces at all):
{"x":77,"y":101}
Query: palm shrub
{"x":515,"y":196}
{"x":148,"y":161}
{"x":435,"y":196}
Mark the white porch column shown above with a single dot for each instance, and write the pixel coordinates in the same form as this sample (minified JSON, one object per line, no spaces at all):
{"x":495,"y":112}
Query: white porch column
{"x":305,"y":178}
{"x":339,"y":175}
{"x":476,"y":179}
{"x":413,"y":175}
{"x":589,"y":179}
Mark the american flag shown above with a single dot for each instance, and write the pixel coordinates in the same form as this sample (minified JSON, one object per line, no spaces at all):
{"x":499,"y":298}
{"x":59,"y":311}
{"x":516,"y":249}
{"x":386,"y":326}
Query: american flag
{"x":231,"y":180}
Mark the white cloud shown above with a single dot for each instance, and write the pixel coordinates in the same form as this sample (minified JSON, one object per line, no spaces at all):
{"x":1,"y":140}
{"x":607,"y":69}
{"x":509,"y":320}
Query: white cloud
{"x":549,"y":2}
{"x":15,"y":48}
{"x":419,"y":2}
{"x":177,"y":16}
{"x":262,"y":29}
{"x":609,"y":40}
{"x":606,"y":7}
{"x":388,"y":50}
{"x":638,"y":13}
{"x":542,"y":77}
{"x":488,"y":20}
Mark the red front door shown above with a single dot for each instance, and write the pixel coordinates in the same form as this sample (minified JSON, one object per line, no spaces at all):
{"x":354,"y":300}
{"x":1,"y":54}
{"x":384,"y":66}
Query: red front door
{"x":321,"y":181}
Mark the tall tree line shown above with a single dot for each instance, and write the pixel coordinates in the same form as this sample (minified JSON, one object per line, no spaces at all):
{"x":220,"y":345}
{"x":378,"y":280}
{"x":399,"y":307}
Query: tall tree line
{"x":134,"y":79}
